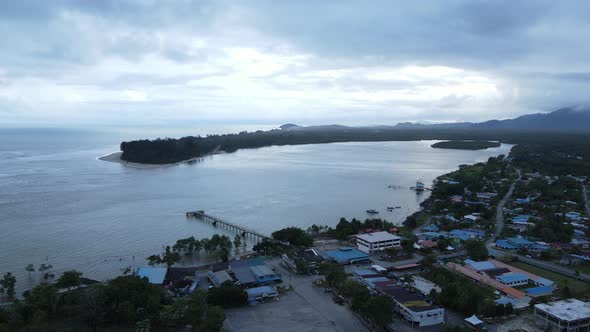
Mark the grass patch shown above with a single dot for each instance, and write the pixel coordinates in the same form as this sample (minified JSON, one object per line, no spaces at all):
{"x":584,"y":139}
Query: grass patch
{"x":578,"y":288}
{"x":422,"y":218}
{"x":583,"y":268}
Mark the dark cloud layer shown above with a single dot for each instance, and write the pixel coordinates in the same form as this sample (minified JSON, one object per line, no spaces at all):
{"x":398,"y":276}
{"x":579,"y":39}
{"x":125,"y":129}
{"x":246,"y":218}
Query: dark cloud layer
{"x":273,"y":61}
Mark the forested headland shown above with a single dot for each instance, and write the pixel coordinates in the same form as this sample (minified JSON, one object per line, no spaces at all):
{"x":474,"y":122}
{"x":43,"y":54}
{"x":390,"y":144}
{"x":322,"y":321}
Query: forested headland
{"x":170,"y":150}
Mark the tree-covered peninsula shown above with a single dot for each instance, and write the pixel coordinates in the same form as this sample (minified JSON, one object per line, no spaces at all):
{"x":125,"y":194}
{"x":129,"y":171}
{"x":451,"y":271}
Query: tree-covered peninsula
{"x":170,"y":150}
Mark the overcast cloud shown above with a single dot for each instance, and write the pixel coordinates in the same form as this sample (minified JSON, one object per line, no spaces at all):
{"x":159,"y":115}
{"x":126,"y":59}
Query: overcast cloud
{"x":81,"y":63}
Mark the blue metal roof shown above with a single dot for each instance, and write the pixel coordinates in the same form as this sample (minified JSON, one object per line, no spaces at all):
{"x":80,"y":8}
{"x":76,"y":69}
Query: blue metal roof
{"x":253,"y":292}
{"x":468,"y":233}
{"x":505,"y":244}
{"x":518,"y":241}
{"x":461,"y":237}
{"x":539,"y":290}
{"x":346,"y":254}
{"x":512,"y":277}
{"x":155,"y":275}
{"x":431,"y":228}
{"x":544,"y":282}
{"x":242,"y":270}
{"x":522,"y":218}
{"x":480,"y":266}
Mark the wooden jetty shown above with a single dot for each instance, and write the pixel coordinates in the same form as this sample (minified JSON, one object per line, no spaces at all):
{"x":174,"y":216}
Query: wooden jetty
{"x":245,"y":232}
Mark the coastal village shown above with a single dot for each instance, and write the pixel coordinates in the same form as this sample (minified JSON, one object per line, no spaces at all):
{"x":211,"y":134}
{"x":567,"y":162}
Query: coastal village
{"x":494,"y":248}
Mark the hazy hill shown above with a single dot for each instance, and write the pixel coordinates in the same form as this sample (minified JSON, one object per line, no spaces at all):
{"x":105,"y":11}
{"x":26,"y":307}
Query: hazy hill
{"x":564,"y":119}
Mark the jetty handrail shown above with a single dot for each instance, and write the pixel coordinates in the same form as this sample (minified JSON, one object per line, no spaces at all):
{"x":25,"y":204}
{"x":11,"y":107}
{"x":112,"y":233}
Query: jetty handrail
{"x":202,"y":214}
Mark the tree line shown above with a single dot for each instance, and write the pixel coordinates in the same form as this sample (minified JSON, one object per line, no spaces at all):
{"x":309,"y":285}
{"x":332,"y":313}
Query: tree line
{"x":170,"y":150}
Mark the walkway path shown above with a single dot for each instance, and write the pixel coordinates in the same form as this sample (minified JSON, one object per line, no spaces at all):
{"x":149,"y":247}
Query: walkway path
{"x":500,"y":210}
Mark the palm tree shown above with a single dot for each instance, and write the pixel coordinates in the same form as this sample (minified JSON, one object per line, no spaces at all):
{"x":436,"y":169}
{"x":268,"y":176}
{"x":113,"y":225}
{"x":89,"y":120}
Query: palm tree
{"x":30,"y":268}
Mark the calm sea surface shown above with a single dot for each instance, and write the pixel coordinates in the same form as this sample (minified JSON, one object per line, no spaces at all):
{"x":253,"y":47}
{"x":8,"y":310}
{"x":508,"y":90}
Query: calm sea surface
{"x":58,"y":202}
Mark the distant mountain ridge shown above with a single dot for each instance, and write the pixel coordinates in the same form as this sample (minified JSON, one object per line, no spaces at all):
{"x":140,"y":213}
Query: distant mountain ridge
{"x":567,"y":118}
{"x":564,"y":119}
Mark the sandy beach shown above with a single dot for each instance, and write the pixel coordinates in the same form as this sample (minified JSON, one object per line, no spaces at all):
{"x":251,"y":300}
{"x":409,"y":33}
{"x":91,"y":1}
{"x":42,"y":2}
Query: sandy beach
{"x":115,"y":157}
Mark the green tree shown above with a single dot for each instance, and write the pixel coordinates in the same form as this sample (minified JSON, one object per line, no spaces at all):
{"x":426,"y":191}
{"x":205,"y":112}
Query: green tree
{"x":237,"y":241}
{"x":43,"y":297}
{"x":227,"y":296}
{"x":30,"y":268}
{"x":170,"y":257}
{"x":344,"y":229}
{"x":215,"y":318}
{"x":70,"y":279}
{"x":295,"y":236}
{"x":130,"y":298}
{"x":154,"y":259}
{"x":380,"y":309}
{"x":7,"y":284}
{"x":301,"y":266}
{"x":225,"y":243}
{"x":476,"y":249}
{"x":93,"y":306}
{"x":333,"y":273}
{"x":408,"y":244}
{"x":45,"y":269}
{"x":358,"y":294}
{"x":508,"y":309}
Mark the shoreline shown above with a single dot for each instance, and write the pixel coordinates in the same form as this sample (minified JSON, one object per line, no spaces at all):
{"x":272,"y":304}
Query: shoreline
{"x":115,"y":157}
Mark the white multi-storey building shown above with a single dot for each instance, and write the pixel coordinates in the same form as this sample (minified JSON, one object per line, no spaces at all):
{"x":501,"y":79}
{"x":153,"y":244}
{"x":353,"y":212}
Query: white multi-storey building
{"x":374,"y":242}
{"x":566,"y":315}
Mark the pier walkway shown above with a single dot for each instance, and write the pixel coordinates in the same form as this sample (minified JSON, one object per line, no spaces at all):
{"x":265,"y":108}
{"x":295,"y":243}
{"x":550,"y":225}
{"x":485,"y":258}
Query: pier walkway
{"x":245,"y":232}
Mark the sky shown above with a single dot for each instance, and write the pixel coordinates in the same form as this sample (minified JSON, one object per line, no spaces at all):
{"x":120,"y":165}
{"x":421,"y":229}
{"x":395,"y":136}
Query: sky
{"x":183,"y":63}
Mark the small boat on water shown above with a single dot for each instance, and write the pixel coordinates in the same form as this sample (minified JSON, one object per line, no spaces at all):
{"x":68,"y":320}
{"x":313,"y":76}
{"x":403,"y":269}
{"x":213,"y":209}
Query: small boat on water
{"x":419,"y":185}
{"x":372,"y":211}
{"x":390,"y":208}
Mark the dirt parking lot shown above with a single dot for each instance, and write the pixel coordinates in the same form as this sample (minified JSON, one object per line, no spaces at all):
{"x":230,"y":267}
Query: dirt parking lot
{"x":290,"y":313}
{"x":306,"y":308}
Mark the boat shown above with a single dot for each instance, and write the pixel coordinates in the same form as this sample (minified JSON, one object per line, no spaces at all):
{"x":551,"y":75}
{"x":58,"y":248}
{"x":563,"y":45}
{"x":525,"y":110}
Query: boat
{"x":372,"y":211}
{"x":419,"y":185}
{"x":390,"y":208}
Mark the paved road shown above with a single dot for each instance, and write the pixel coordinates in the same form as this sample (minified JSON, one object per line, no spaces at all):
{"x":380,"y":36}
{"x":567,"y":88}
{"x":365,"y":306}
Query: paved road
{"x":339,"y":316}
{"x":553,"y":267}
{"x":586,"y":202}
{"x":500,"y":210}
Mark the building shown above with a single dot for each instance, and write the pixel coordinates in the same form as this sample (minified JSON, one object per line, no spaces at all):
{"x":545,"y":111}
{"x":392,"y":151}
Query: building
{"x":219,"y":277}
{"x":474,"y":322}
{"x":261,"y":293}
{"x":430,"y":228}
{"x":264,"y":274}
{"x":412,"y":306}
{"x":479,"y":266}
{"x":371,"y":243}
{"x":466,"y":234}
{"x":253,"y":272}
{"x":346,"y":255}
{"x":513,"y":279}
{"x":424,"y":286}
{"x":155,"y":275}
{"x":565,"y":315}
{"x":310,"y":257}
